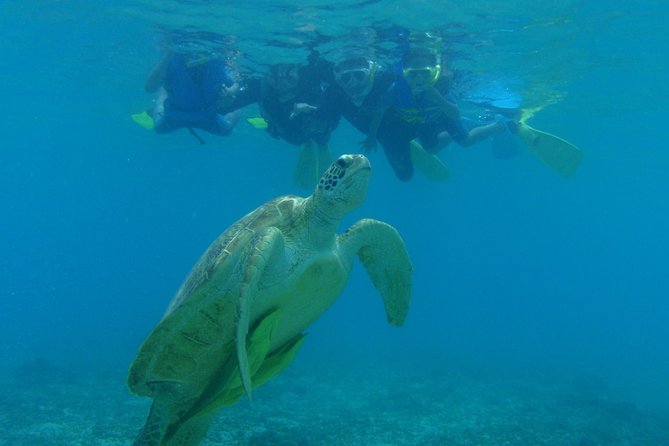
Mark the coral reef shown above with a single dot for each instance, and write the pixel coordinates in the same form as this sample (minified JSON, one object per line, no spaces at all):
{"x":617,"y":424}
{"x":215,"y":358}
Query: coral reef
{"x":313,"y":406}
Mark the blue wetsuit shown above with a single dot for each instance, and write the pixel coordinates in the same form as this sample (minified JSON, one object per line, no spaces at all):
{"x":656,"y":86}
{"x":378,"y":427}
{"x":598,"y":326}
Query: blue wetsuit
{"x":425,"y":117}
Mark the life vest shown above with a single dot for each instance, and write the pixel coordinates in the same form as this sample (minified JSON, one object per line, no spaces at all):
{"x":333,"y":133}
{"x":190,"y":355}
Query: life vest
{"x":192,"y":93}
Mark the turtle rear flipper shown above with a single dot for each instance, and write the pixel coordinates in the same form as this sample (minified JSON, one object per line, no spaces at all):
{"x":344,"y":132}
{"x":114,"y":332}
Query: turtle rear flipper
{"x":276,"y":362}
{"x":166,"y":426}
{"x":164,"y":411}
{"x":154,"y":428}
{"x":191,"y":432}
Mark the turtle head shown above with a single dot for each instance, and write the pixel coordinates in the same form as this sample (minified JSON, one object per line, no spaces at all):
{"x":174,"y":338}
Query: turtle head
{"x":343,"y":186}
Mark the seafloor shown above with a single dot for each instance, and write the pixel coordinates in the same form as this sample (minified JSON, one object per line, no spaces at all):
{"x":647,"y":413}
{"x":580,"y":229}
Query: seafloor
{"x":320,"y":404}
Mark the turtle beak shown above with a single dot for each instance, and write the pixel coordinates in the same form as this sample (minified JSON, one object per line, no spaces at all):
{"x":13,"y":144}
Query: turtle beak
{"x":355,"y":164}
{"x":359,"y":162}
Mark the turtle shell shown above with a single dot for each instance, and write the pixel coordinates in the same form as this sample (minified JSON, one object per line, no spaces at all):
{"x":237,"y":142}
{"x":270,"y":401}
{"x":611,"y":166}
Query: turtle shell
{"x":197,"y":333}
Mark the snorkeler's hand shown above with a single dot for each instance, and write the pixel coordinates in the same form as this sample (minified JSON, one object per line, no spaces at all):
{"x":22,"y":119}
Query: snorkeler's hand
{"x":368,"y":144}
{"x":226,"y":95}
{"x":301,"y":107}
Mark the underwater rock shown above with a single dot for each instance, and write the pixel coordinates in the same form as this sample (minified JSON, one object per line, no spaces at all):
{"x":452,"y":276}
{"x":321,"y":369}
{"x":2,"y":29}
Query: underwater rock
{"x":589,"y":386}
{"x":49,"y":432}
{"x":277,"y":438}
{"x":39,"y":371}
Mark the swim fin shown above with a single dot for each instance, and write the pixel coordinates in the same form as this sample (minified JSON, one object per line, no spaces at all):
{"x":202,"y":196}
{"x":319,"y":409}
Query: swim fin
{"x":559,"y":154}
{"x":428,"y":164}
{"x":306,"y":169}
{"x":257,"y":122}
{"x":143,"y":119}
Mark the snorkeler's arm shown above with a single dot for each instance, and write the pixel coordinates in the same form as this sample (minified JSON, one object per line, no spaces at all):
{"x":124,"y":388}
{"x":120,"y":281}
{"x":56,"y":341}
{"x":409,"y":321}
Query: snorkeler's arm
{"x":301,"y":107}
{"x":157,"y":76}
{"x":227,"y":95}
{"x":448,"y":108}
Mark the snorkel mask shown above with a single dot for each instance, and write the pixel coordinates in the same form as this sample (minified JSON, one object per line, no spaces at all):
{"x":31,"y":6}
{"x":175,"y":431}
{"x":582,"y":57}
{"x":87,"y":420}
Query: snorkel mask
{"x":422,"y":61}
{"x":422,"y":76}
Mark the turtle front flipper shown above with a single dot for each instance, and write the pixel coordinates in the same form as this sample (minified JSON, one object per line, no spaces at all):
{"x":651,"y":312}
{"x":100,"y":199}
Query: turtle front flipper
{"x":263,"y":247}
{"x":383,"y":254}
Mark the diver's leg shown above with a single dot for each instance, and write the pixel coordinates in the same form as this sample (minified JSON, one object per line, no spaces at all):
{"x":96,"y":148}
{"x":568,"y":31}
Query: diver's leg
{"x":480,"y":133}
{"x":225,"y":123}
{"x":159,"y":111}
{"x":398,"y":155}
{"x":434,"y":137}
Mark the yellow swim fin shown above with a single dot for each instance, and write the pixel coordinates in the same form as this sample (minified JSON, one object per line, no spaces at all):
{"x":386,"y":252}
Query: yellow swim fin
{"x":143,"y":119}
{"x":306,"y":169}
{"x":559,"y":154}
{"x":428,"y":164}
{"x":257,"y":122}
{"x":324,"y":160}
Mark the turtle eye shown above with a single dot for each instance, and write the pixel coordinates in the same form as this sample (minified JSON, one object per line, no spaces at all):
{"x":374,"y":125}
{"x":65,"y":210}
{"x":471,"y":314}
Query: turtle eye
{"x":341,"y":162}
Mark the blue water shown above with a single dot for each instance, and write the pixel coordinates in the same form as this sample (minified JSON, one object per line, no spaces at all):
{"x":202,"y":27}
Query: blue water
{"x":519,"y":273}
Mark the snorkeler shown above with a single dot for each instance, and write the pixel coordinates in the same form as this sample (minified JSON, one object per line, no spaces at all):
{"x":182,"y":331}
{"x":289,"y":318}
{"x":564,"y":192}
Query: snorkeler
{"x":420,"y":100}
{"x":296,"y":102}
{"x":367,"y":97}
{"x":195,"y":92}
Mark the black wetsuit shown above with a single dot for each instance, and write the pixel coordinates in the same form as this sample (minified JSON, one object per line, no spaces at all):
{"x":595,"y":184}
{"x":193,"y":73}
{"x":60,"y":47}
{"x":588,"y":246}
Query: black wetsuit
{"x":393,"y":134}
{"x":315,"y":87}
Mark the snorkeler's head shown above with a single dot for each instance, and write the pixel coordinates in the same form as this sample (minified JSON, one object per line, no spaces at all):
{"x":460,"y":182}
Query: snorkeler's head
{"x":421,"y":66}
{"x":284,"y":78}
{"x":355,"y":76}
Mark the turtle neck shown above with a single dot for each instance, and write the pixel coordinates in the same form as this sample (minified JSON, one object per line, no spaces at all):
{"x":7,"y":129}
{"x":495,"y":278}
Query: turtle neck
{"x":322,"y":219}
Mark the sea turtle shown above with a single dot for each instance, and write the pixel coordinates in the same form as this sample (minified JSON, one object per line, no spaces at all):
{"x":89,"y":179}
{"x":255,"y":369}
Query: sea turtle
{"x":239,"y":317}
